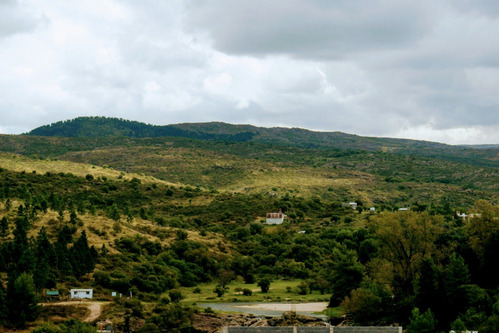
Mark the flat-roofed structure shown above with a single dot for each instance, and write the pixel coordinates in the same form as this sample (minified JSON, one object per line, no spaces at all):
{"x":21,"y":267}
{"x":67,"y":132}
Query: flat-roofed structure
{"x":313,"y":329}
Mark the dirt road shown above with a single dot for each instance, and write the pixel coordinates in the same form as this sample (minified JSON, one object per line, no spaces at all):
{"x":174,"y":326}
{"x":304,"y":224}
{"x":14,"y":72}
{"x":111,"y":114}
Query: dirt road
{"x":94,"y":307}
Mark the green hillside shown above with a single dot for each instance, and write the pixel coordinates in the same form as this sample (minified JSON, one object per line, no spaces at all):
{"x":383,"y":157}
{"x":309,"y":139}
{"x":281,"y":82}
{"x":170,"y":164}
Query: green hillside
{"x":294,"y":137}
{"x":180,"y":220}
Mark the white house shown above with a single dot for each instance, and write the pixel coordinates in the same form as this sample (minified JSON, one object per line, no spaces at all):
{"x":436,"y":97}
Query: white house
{"x":275,"y":218}
{"x":81,"y":293}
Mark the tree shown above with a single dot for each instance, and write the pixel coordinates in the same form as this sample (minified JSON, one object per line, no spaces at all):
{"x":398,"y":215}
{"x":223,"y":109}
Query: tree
{"x":482,"y":231}
{"x":406,"y":238}
{"x":344,"y":274}
{"x":364,"y":306}
{"x":264,"y":285}
{"x":219,"y":290}
{"x":114,"y":213}
{"x":175,"y":295}
{"x":21,"y":300}
{"x":428,"y":288}
{"x":482,"y":226}
{"x":4,"y":228}
{"x":82,"y":260}
{"x":3,"y":305}
{"x":422,"y":323}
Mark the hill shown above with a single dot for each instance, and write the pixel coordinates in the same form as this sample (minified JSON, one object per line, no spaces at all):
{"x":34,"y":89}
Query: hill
{"x":294,"y":137}
{"x":179,"y":220}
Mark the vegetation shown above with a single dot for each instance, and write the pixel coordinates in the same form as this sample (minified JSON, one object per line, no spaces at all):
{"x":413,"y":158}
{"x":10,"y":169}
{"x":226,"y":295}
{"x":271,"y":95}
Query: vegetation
{"x":180,"y":220}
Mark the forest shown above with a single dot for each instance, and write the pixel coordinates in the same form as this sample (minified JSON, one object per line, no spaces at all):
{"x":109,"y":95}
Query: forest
{"x":191,"y":218}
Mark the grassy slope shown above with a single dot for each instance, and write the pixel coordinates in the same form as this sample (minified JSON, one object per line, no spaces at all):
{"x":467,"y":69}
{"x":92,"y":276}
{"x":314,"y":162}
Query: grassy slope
{"x":373,"y":177}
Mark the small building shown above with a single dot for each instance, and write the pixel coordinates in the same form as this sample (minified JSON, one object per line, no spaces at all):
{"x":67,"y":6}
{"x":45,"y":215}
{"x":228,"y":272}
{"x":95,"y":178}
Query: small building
{"x":353,"y":205}
{"x":275,"y":218}
{"x":403,"y":209}
{"x":52,"y":295}
{"x":372,"y":209}
{"x":463,"y":215}
{"x":81,"y":293}
{"x":105,"y":327}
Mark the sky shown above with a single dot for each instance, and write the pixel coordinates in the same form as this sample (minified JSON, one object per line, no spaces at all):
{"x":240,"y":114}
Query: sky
{"x":417,"y":69}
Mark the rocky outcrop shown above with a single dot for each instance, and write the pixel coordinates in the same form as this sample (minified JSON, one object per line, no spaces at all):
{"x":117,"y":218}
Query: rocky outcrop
{"x":212,"y":323}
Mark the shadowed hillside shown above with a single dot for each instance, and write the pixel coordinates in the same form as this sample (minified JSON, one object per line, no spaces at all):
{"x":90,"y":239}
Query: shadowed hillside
{"x":291,"y":137}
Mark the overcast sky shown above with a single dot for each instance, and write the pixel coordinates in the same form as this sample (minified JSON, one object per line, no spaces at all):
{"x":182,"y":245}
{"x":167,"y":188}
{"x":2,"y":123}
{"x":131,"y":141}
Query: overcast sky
{"x":418,"y":69}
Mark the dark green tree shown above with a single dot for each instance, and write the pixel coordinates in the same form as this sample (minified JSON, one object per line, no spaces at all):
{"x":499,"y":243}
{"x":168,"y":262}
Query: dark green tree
{"x":264,"y":285}
{"x":3,"y":305}
{"x":4,"y":228}
{"x":219,"y":290}
{"x":429,"y":294}
{"x":114,"y":212}
{"x":81,"y":257}
{"x":345,"y":274}
{"x":422,"y":323}
{"x":21,"y":300}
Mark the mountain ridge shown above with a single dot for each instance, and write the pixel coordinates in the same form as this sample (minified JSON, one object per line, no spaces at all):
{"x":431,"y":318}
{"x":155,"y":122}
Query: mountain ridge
{"x":103,"y":127}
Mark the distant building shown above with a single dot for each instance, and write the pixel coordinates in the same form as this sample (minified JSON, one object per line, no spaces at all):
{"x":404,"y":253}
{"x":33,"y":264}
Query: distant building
{"x":52,"y":295}
{"x":404,"y":209}
{"x":81,"y":293}
{"x":275,"y":218}
{"x":372,"y":209}
{"x":105,"y":327}
{"x":463,"y":215}
{"x":353,"y":205}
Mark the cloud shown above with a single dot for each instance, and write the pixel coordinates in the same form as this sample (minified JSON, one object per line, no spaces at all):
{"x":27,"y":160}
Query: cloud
{"x":323,"y":30}
{"x":379,"y":68}
{"x":16,"y":18}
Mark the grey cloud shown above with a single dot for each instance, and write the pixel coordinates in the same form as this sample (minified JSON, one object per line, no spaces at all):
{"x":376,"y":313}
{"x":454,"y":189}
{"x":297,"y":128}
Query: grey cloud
{"x":15,"y":19}
{"x":310,"y":29}
{"x":382,"y":67}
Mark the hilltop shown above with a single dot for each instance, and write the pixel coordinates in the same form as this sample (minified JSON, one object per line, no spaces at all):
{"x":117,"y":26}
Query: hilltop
{"x":102,"y":127}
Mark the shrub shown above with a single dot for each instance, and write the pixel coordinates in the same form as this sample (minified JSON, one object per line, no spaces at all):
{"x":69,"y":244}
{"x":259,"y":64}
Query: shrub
{"x":264,"y":285}
{"x":247,"y":292}
{"x":175,"y":295}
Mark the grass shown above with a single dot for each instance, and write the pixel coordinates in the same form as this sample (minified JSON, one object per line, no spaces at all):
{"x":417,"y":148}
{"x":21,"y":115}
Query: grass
{"x":280,"y":291}
{"x":21,"y":163}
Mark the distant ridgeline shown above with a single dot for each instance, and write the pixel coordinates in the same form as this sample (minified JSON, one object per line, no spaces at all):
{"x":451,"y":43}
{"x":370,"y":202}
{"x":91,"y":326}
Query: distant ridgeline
{"x":101,"y":127}
{"x":114,"y":127}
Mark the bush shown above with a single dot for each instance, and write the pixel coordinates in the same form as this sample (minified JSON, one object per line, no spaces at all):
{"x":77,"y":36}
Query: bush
{"x":302,"y":288}
{"x":264,"y":285}
{"x":175,"y":295}
{"x":247,"y":292}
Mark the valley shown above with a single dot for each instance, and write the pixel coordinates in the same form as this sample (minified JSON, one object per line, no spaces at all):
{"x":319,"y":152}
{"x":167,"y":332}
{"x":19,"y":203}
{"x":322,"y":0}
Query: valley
{"x":179,"y":220}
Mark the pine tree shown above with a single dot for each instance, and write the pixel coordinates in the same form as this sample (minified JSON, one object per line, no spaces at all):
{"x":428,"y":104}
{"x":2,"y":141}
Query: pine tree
{"x":41,"y":275}
{"x":3,"y":305}
{"x":4,"y":228}
{"x":429,"y":294}
{"x":21,"y":256}
{"x":21,"y":300}
{"x":422,"y":323}
{"x":73,"y":218}
{"x":81,"y":257}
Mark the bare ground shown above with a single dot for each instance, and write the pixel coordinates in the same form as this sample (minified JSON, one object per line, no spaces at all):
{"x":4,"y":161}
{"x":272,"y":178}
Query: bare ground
{"x":94,"y":307}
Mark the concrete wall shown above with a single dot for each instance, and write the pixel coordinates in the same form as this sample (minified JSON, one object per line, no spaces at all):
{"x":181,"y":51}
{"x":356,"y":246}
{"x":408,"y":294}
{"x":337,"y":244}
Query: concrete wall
{"x":303,"y":329}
